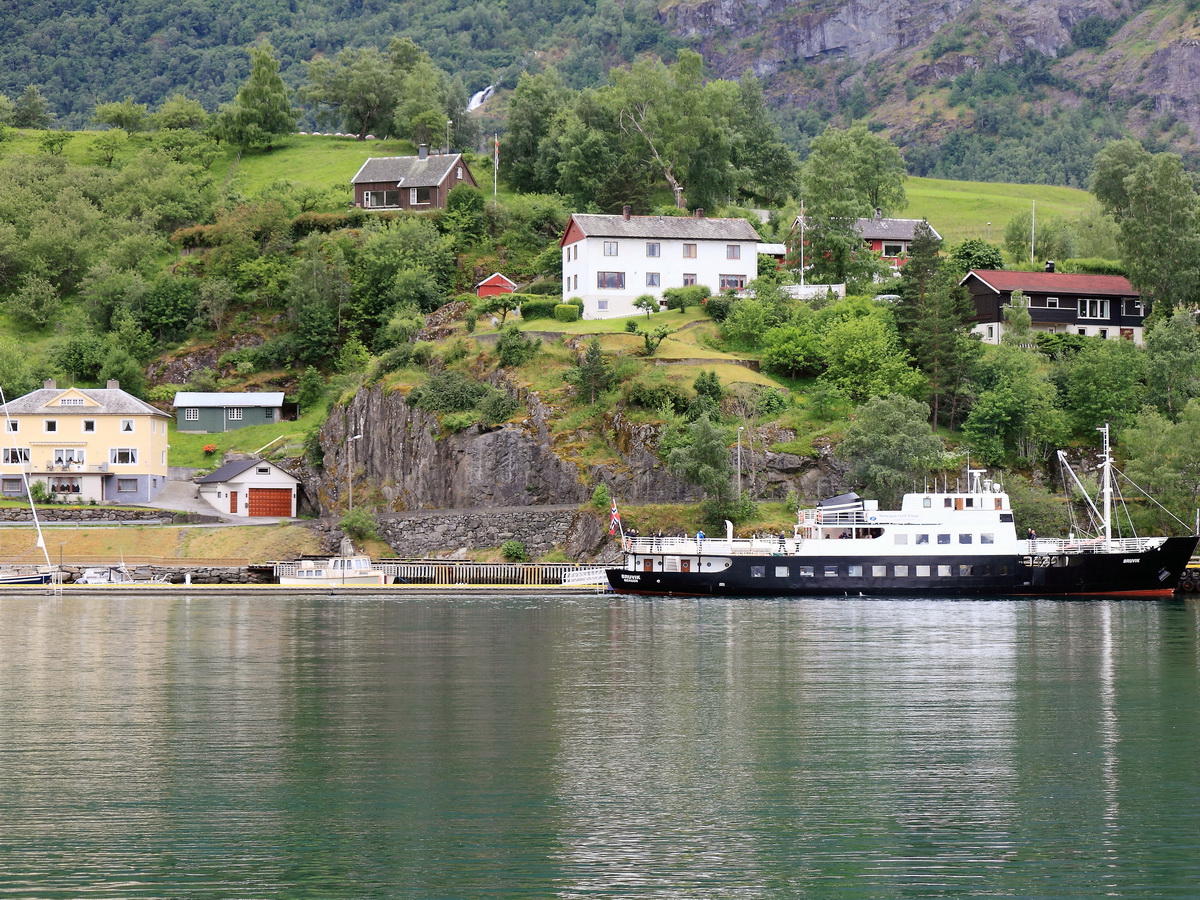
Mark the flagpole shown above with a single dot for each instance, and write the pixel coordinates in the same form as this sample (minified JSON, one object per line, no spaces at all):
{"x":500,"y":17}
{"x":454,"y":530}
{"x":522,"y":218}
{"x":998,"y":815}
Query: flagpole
{"x":495,"y":165}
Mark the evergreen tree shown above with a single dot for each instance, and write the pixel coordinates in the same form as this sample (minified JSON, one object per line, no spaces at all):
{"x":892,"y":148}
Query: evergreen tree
{"x":1018,"y":323}
{"x":262,"y":111}
{"x":31,"y":110}
{"x":593,"y":375}
{"x":934,"y":317}
{"x":703,"y":460}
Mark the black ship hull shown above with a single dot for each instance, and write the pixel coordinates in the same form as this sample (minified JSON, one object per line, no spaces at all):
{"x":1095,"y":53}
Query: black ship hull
{"x":1151,"y":572}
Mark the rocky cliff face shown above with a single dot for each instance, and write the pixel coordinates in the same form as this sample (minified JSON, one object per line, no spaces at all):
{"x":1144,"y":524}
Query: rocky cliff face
{"x":404,"y":462}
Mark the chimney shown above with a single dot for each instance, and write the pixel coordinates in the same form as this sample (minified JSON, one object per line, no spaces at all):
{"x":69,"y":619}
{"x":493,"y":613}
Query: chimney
{"x":422,"y":151}
{"x":878,"y":212}
{"x":1049,"y":265}
{"x":113,"y":384}
{"x":699,"y":212}
{"x":626,"y":211}
{"x":50,"y":384}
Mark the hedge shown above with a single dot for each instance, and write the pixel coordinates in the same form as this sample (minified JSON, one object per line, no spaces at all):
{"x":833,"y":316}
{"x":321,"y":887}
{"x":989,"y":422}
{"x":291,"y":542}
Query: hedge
{"x":566,"y":312}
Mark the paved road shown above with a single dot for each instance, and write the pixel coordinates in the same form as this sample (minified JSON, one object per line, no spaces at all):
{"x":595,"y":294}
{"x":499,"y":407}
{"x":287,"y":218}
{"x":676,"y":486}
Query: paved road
{"x":184,"y":496}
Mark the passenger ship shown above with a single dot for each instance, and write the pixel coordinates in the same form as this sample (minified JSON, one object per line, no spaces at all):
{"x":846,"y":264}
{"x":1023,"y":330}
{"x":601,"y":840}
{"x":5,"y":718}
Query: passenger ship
{"x":960,"y":544}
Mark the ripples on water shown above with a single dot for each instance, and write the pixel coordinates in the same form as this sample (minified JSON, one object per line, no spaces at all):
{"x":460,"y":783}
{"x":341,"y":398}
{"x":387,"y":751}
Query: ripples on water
{"x":582,"y":747}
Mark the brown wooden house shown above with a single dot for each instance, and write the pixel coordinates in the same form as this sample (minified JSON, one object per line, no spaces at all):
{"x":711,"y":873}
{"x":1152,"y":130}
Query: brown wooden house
{"x":1104,"y":306}
{"x":410,"y":182}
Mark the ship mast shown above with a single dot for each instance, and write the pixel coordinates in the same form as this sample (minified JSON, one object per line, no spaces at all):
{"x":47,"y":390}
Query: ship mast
{"x":1106,"y":487}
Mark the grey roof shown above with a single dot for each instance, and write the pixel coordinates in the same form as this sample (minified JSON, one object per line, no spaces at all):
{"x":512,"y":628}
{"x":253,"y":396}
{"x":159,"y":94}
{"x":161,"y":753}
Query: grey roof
{"x":880,"y":229}
{"x":236,"y":467}
{"x":112,"y":402}
{"x":407,"y":171}
{"x":269,"y":399}
{"x":687,"y":228}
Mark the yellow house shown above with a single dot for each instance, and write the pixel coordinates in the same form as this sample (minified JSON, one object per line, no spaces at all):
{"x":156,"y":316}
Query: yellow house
{"x":83,"y":444}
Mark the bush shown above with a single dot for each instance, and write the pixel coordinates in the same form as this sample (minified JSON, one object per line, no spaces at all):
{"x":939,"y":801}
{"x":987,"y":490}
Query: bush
{"x":718,"y":307}
{"x":513,"y":348}
{"x":681,"y":298}
{"x":359,"y":525}
{"x":566,"y":312}
{"x":470,"y":319}
{"x":448,"y":392}
{"x":38,"y":492}
{"x":497,"y":407}
{"x":548,"y":287}
{"x":538,"y":309}
{"x":310,"y":222}
{"x":631,"y":327}
{"x":1092,"y":266}
{"x":653,"y":395}
{"x":397,"y":358}
{"x":514,"y":551}
{"x":602,"y":498}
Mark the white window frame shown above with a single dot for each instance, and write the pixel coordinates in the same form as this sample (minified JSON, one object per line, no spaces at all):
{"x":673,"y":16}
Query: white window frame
{"x":70,"y":401}
{"x":611,"y":248}
{"x":413,"y":195}
{"x":1093,"y":308}
{"x":653,"y":249}
{"x":88,"y":426}
{"x":121,"y":485}
{"x":63,"y":456}
{"x":50,"y":426}
{"x":130,"y":453}
{"x":16,"y":456}
{"x":892,"y":250}
{"x":191,"y":414}
{"x":653,"y":279}
{"x":235,"y":413}
{"x":1051,"y":303}
{"x":127,"y":426}
{"x":602,"y":305}
{"x":12,"y":426}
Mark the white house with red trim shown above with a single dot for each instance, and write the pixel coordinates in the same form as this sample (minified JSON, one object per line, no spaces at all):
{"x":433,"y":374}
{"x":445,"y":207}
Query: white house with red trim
{"x":610,"y":261}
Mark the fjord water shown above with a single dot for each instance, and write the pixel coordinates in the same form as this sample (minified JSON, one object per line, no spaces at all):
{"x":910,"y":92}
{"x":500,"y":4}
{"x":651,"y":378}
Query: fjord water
{"x":597,"y":746}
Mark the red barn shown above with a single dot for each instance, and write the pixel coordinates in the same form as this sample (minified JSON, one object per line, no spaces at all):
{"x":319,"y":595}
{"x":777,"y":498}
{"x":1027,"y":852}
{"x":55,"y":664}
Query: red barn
{"x":495,"y":284}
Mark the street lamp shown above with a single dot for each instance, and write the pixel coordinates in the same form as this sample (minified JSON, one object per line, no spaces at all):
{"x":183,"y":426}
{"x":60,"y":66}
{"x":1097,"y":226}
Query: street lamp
{"x":350,"y":467}
{"x":989,"y":232}
{"x":741,"y":428}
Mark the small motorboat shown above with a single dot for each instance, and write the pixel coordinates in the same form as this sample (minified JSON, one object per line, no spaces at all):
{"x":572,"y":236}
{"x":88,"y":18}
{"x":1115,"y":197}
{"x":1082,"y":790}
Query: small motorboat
{"x":337,"y":570}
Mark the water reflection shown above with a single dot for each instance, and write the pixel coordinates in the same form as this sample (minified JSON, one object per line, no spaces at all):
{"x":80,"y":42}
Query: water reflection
{"x":577,"y":747}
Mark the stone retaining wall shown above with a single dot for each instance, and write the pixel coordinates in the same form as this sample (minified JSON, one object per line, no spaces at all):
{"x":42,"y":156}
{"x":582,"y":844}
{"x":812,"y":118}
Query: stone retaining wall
{"x":177,"y":574}
{"x":420,"y":535}
{"x":84,"y":514}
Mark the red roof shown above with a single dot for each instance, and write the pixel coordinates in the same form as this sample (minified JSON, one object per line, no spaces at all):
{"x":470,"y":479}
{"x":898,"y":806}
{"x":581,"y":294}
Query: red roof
{"x":1053,"y":282}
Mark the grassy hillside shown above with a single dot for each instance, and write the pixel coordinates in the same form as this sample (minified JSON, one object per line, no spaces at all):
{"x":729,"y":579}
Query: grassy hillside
{"x":963,"y":209}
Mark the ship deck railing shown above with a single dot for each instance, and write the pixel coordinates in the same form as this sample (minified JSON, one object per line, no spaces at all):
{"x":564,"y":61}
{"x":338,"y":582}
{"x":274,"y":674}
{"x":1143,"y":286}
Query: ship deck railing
{"x":1044,"y":546}
{"x":690,"y":546}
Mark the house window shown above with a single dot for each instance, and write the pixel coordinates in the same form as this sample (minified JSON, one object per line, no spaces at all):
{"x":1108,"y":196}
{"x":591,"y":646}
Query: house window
{"x":610,"y":248}
{"x":652,"y":279}
{"x":575,"y":254}
{"x":689,"y":251}
{"x":70,"y":401}
{"x":991,"y":332}
{"x":191,"y":414}
{"x":50,"y":426}
{"x":893,"y":249}
{"x":614,"y":280}
{"x":89,"y":426}
{"x":733,"y":251}
{"x":420,"y":196}
{"x":127,"y":485}
{"x":14,"y":456}
{"x":1093,"y":309}
{"x":376,"y":199}
{"x":123,"y":456}
{"x":689,"y":278}
{"x":127,"y":426}
{"x":263,"y":470}
{"x":66,"y":455}
{"x":12,"y":426}
{"x":1052,"y":303}
{"x":458,"y":172}
{"x":1103,"y":333}
{"x":11,"y":485}
{"x":576,"y":282}
{"x":654,"y":250}
{"x":567,"y":255}
{"x":602,"y":305}
{"x":235,"y":413}
{"x":732,"y":282}
{"x":1134,"y":308}
{"x":65,"y":484}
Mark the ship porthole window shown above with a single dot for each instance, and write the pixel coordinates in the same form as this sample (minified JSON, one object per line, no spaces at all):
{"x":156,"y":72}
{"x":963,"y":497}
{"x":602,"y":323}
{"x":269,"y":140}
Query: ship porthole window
{"x":927,"y":502}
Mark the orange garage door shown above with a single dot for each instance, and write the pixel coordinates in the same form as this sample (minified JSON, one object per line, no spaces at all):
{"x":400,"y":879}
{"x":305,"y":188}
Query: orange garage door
{"x":270,"y":501}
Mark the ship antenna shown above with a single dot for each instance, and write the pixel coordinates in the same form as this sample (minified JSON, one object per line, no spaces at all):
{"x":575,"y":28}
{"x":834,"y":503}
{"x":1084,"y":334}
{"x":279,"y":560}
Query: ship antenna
{"x":1106,"y":481}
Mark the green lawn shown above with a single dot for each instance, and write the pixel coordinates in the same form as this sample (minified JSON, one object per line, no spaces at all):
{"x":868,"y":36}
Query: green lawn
{"x":288,"y":437}
{"x":962,"y":209}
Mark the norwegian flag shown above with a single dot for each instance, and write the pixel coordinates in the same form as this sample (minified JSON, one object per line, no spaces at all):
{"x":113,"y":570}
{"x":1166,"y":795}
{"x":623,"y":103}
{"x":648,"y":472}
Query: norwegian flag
{"x":614,"y":520}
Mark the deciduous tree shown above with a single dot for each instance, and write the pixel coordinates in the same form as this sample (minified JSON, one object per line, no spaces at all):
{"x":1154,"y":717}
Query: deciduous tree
{"x":889,"y":446}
